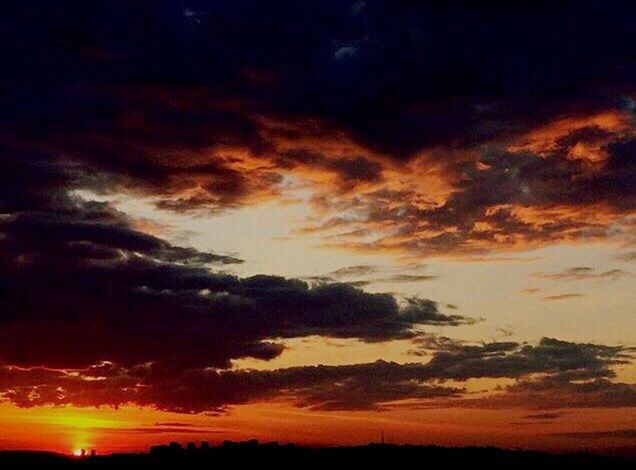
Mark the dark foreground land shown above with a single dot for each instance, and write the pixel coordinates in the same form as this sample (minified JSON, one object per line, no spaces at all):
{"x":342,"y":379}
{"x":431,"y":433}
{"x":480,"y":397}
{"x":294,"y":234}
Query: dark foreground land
{"x":253,"y":455}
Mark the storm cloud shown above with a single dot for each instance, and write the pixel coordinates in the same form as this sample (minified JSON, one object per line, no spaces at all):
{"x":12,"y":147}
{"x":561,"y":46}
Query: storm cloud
{"x":217,"y":117}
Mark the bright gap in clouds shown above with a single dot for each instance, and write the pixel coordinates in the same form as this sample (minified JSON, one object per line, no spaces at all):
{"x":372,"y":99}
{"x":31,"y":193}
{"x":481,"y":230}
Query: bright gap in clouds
{"x":497,"y":290}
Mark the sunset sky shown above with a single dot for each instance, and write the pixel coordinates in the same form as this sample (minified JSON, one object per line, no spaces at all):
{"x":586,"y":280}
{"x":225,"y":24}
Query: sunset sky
{"x":317,"y":221}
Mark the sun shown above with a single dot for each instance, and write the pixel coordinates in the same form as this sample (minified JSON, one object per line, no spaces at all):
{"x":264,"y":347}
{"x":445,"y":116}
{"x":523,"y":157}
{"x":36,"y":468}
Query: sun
{"x":78,"y":452}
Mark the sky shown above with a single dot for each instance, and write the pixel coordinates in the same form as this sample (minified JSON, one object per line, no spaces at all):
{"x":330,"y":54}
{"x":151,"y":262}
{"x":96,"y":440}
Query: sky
{"x":317,"y":222}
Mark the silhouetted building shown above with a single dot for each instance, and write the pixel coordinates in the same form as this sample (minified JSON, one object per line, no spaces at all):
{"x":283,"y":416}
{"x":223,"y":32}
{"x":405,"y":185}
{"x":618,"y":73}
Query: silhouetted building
{"x":252,"y":443}
{"x":175,"y":446}
{"x":171,"y":450}
{"x":251,"y":454}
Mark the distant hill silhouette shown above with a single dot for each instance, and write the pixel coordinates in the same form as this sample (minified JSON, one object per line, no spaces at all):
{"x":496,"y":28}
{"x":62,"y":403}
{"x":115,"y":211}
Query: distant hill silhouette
{"x":252,"y":454}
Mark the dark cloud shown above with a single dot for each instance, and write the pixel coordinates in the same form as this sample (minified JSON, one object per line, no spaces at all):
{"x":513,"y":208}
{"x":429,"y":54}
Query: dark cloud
{"x":565,"y":391}
{"x":362,"y":386}
{"x":85,"y":295}
{"x":551,"y":375}
{"x":79,"y":285}
{"x":571,"y":375}
{"x":509,"y":359}
{"x":351,"y":170}
{"x":85,"y":287}
{"x":203,"y":106}
{"x":312,"y":75}
{"x":169,"y":97}
{"x":319,"y":279}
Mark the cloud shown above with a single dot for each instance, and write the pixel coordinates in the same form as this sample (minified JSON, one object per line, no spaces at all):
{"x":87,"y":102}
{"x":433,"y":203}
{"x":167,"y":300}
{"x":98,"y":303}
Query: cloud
{"x":351,"y":170}
{"x":350,"y":272}
{"x":80,"y":285}
{"x":322,"y":71}
{"x":97,"y":312}
{"x":582,"y":273}
{"x":116,"y":294}
{"x":627,"y":257}
{"x":571,"y":375}
{"x":501,"y":202}
{"x":406,"y":278}
{"x":510,"y":359}
{"x":550,"y":376}
{"x":567,"y":390}
{"x":353,"y":271}
{"x":543,"y":416}
{"x":568,"y":296}
{"x":530,"y":290}
{"x":532,"y":153}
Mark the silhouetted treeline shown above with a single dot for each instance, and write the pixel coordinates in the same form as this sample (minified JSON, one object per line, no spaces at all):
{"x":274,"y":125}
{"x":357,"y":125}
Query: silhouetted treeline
{"x":289,"y":456}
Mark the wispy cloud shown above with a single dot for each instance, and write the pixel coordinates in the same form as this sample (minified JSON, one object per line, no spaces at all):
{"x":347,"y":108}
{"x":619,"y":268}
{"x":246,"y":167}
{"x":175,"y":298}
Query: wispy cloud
{"x":582,"y":273}
{"x":568,"y":296}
